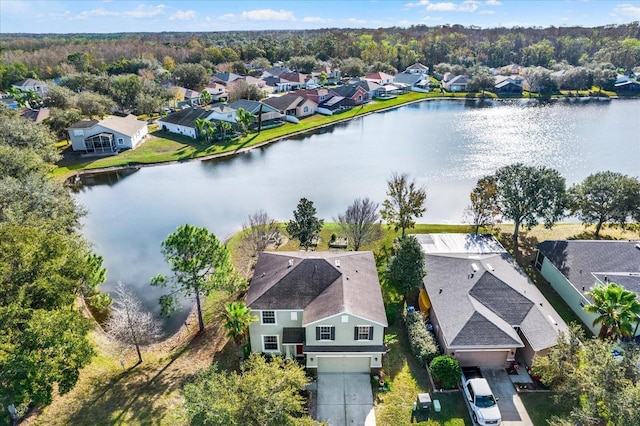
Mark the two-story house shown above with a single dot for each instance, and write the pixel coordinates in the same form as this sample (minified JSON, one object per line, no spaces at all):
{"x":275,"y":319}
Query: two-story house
{"x":324,"y":308}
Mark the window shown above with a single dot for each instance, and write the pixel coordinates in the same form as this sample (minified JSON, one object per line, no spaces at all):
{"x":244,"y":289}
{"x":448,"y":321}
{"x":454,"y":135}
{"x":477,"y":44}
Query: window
{"x":306,"y":109}
{"x":325,"y":332}
{"x":294,"y":316}
{"x":539,"y":261}
{"x":268,"y":317}
{"x":120,"y":141}
{"x":363,"y":332}
{"x":270,"y":343}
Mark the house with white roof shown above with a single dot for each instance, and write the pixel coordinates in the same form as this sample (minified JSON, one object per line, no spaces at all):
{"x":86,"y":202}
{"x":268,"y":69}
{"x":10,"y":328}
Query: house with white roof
{"x":108,"y":135}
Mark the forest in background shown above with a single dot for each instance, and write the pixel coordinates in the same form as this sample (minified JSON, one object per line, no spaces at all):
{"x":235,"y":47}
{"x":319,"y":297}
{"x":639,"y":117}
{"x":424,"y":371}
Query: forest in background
{"x":48,"y":56}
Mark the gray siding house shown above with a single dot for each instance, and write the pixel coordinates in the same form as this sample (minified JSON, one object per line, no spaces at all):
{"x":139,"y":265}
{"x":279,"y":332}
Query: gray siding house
{"x":573,"y":267}
{"x":484,"y":309}
{"x":324,"y":308}
{"x":108,"y":135}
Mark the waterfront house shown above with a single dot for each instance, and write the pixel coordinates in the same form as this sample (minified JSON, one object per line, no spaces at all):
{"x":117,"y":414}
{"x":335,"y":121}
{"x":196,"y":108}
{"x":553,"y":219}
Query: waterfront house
{"x":323,"y":308}
{"x":483,"y":308}
{"x":108,"y":135}
{"x":573,"y":267}
{"x":292,"y":105}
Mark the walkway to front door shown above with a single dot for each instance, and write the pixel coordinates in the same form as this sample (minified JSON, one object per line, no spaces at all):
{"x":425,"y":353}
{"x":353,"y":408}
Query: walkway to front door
{"x":345,"y":399}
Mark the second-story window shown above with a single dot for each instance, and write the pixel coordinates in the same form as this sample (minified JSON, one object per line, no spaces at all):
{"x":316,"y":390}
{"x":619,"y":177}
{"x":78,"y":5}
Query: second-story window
{"x":268,"y":317}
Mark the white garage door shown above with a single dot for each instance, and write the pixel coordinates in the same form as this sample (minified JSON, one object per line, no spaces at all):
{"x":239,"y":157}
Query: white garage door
{"x":344,"y":364}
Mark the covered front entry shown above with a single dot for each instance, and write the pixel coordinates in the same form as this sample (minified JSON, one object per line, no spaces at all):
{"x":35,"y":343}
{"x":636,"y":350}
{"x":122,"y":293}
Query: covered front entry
{"x":344,"y":364}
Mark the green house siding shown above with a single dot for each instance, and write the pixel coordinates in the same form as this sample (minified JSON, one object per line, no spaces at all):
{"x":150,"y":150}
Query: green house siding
{"x":344,"y":332}
{"x":284,"y":319}
{"x":569,"y":293}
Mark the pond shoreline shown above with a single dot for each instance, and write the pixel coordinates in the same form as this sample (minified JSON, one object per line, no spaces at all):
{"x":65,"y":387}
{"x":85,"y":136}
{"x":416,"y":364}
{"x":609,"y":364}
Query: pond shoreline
{"x":74,"y":178}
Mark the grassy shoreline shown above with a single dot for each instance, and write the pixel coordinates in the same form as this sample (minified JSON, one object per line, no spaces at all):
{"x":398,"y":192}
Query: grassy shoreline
{"x":167,"y":148}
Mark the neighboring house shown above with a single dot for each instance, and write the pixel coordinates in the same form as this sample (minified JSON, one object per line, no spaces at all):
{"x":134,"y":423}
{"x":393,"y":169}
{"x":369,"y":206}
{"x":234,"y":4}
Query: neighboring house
{"x":36,"y":115}
{"x":381,"y":78}
{"x":217,"y":91}
{"x":333,"y":75}
{"x":183,"y":122}
{"x":270,"y":115}
{"x":512,"y":69}
{"x":32,"y":84}
{"x":293,"y":104}
{"x":456,"y":84}
{"x":316,"y":95}
{"x":372,"y":88}
{"x":416,"y":82}
{"x":334,"y":105}
{"x":354,"y":94}
{"x":108,"y":135}
{"x":417,"y":68}
{"x":276,"y":84}
{"x":189,"y":97}
{"x":573,"y":267}
{"x":274,"y":72}
{"x":296,"y":80}
{"x":627,"y":86}
{"x":483,"y":308}
{"x":508,"y":85}
{"x":225,"y":78}
{"x":323,"y":308}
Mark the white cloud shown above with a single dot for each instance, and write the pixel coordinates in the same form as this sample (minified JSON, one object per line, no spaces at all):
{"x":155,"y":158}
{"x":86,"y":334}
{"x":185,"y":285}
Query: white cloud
{"x":493,"y":3}
{"x":143,"y":11}
{"x":465,"y":6}
{"x":183,"y":15}
{"x":95,"y":12}
{"x":431,"y":18}
{"x":628,"y":11}
{"x":227,"y":16}
{"x":268,"y":15}
{"x":313,"y":19}
{"x":419,"y":3}
{"x":487,"y":12}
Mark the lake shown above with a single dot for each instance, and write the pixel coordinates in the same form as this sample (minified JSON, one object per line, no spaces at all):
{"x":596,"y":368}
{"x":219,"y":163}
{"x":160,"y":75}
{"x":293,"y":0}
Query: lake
{"x":445,"y":145}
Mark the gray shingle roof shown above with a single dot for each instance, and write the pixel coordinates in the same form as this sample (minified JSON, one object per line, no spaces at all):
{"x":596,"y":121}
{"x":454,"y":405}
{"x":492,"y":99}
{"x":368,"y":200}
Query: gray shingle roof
{"x":479,"y":294}
{"x":584,"y":261}
{"x":186,"y":117}
{"x":284,"y":102}
{"x":317,"y":285}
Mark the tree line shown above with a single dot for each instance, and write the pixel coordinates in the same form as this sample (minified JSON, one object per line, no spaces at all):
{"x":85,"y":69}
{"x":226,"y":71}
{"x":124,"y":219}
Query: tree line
{"x":51,"y":56}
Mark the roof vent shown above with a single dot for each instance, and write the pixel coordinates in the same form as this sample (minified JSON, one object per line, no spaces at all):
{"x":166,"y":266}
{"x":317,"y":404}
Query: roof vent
{"x":474,"y":267}
{"x":489,"y":267}
{"x":552,"y":320}
{"x":290,"y":263}
{"x":337,"y":263}
{"x":638,"y":246}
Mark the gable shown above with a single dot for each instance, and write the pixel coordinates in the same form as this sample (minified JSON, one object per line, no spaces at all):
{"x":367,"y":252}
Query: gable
{"x":501,"y":298}
{"x":479,"y":331}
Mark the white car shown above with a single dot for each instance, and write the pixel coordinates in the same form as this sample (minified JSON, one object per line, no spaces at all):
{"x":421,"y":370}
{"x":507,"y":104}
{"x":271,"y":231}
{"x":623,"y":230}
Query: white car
{"x":484,"y":406}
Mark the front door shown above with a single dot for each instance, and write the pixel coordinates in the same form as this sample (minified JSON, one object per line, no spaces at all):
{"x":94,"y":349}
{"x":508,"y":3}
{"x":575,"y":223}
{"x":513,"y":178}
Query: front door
{"x":299,"y":350}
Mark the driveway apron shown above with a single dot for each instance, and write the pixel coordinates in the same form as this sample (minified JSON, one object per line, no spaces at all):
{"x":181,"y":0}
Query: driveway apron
{"x":345,"y":399}
{"x":511,"y":406}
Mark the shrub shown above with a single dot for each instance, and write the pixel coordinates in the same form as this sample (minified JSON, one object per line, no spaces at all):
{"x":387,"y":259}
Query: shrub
{"x":423,"y":345}
{"x":391,"y":309}
{"x":446,"y":370}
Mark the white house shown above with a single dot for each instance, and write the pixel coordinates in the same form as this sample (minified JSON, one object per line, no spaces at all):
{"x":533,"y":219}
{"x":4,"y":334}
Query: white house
{"x":32,"y":84}
{"x":108,"y":135}
{"x":324,"y":308}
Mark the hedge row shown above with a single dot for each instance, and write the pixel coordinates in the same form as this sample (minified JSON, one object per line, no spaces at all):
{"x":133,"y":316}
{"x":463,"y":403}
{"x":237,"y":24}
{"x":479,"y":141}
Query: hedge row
{"x":422,"y":343}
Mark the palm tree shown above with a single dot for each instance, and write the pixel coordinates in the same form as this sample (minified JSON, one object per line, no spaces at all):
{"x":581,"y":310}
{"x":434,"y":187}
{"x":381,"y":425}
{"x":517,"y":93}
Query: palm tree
{"x":244,"y":119}
{"x":201,"y":125}
{"x":205,"y":97}
{"x":237,"y":319}
{"x":618,"y":310}
{"x":225,"y":126}
{"x":210,"y":130}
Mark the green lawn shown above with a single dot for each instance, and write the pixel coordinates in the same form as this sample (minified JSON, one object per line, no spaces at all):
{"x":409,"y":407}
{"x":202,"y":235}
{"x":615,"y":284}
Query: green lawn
{"x":541,"y":407}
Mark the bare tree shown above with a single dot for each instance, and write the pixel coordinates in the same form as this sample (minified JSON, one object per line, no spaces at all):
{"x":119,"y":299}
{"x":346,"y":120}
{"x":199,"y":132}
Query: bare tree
{"x":130,"y":323}
{"x":359,"y":222}
{"x":256,"y":232}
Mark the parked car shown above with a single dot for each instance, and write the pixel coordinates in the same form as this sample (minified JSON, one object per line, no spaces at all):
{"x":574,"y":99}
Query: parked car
{"x":484,"y":406}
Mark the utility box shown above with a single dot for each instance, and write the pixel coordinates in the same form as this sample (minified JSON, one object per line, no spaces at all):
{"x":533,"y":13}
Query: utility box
{"x":424,"y":401}
{"x":436,"y":405}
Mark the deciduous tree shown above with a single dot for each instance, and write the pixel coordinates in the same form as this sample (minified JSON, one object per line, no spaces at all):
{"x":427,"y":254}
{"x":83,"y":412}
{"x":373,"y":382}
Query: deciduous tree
{"x":404,"y":203}
{"x":406,"y":269}
{"x":130,"y":323}
{"x":527,"y":194}
{"x":483,"y":208}
{"x":256,"y":232}
{"x":305,"y":226}
{"x":266,"y":393}
{"x":200,"y":264}
{"x":191,"y":76}
{"x":360,"y":222}
{"x":605,"y":197}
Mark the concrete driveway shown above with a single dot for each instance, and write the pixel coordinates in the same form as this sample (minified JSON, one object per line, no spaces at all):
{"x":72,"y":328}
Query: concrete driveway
{"x":511,"y":406}
{"x":345,"y":399}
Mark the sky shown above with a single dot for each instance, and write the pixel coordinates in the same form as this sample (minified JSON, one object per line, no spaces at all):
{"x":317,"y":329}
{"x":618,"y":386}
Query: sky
{"x":104,"y":16}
